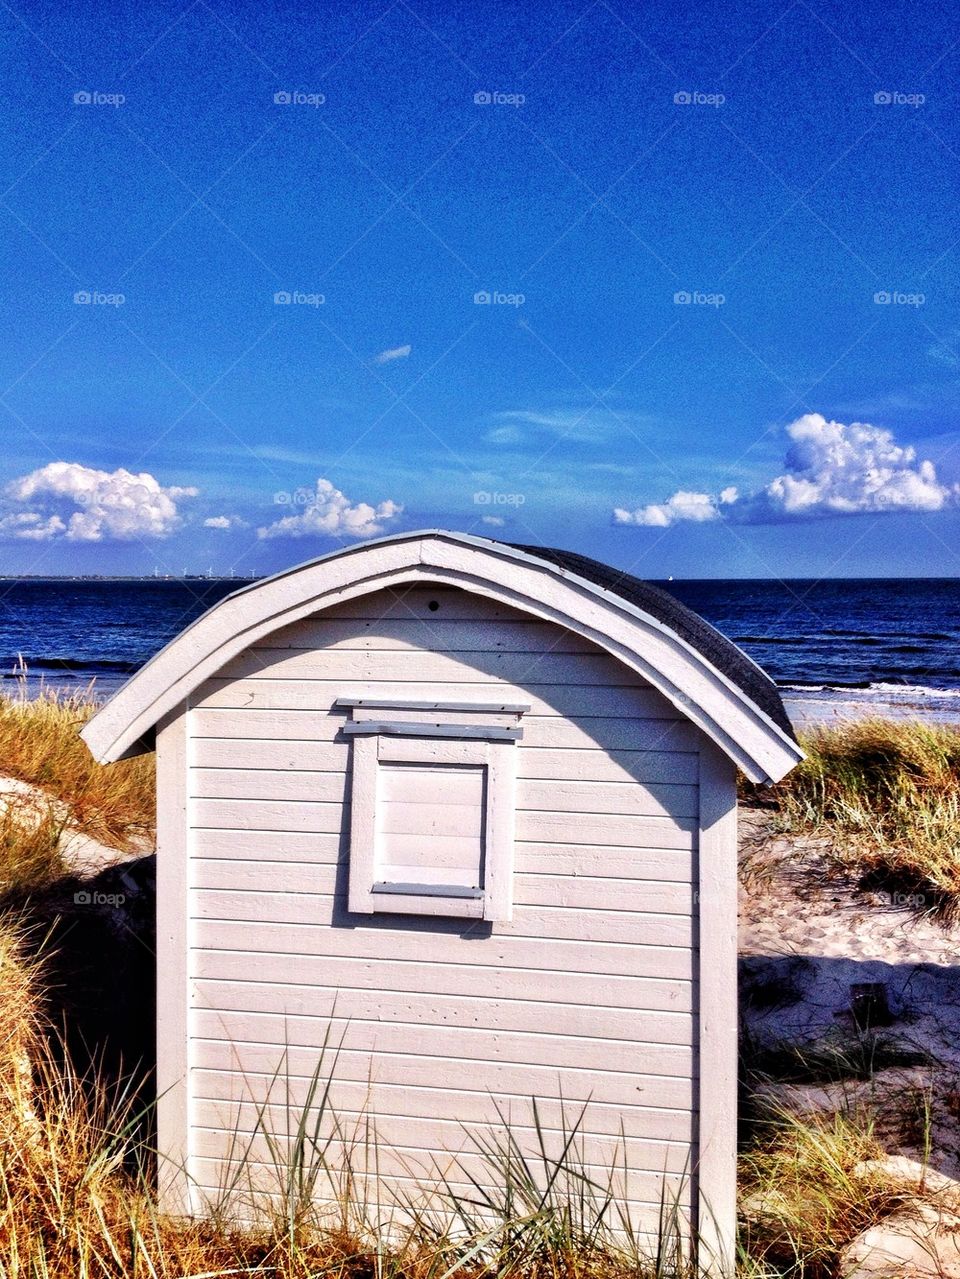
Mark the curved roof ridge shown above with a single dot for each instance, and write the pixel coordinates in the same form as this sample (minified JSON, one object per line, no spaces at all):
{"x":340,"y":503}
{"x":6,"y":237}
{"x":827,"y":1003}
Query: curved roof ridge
{"x":703,"y":674}
{"x":689,"y":625}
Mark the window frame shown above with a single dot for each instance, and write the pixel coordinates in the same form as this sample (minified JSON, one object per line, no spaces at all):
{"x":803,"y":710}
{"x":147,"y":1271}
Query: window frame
{"x":443,"y":734}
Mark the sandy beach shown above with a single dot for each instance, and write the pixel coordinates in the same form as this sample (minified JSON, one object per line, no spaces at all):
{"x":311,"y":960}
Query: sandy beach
{"x":810,"y":707}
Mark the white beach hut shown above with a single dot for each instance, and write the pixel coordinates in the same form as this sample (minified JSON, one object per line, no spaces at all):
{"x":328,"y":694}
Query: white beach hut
{"x":474,"y":804}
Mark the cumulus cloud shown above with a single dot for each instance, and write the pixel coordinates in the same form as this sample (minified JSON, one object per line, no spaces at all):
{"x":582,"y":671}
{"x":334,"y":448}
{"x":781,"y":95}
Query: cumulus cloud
{"x":31,"y":527}
{"x":82,"y":504}
{"x":395,"y":353}
{"x":493,"y":520}
{"x":327,"y":512}
{"x":224,"y":522}
{"x":830,"y":468}
{"x":684,"y":505}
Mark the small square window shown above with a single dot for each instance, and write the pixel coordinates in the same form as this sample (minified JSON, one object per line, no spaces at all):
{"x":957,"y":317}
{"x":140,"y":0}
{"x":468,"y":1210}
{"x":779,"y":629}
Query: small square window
{"x":432,"y":807}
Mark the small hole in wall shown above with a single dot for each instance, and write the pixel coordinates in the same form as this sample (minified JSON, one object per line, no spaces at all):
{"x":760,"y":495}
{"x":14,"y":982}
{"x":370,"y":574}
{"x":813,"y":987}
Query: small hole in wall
{"x":433,"y":606}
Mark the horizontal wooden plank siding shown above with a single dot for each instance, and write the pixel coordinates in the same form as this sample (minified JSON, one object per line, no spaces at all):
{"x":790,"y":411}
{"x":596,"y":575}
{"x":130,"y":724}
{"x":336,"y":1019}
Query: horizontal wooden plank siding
{"x":416,"y":664}
{"x":585,"y":732}
{"x":425,"y":1104}
{"x":671,"y":1066}
{"x":532,"y":826}
{"x":659,"y":1094}
{"x":303,"y":906}
{"x":430,"y":1009}
{"x":657,"y":864}
{"x":405,"y":1142}
{"x":409,"y":1177}
{"x":447,"y":979}
{"x":419,"y":945}
{"x":563,"y":795}
{"x":222,"y":754}
{"x":590,"y":991}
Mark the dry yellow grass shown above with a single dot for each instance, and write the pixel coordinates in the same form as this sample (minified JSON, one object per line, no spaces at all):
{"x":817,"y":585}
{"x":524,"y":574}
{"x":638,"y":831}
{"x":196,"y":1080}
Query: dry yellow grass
{"x":889,"y":795}
{"x":804,"y":1201}
{"x":72,"y":1205}
{"x":39,"y":743}
{"x":29,"y":846}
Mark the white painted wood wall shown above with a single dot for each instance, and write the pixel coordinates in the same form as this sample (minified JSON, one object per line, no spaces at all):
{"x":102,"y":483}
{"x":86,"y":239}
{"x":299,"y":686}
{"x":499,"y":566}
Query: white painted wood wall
{"x":591,"y":990}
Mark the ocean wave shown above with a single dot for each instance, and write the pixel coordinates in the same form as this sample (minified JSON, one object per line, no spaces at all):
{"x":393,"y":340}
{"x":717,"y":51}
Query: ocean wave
{"x":916,"y":690}
{"x":91,"y":665}
{"x":887,"y":690}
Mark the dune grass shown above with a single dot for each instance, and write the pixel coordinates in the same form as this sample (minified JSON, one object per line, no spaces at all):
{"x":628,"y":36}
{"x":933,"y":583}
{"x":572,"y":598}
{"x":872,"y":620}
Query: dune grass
{"x":888,"y":795}
{"x":803,"y":1196}
{"x":30,"y":856}
{"x":71,"y":1206}
{"x":39,"y":744}
{"x":73,"y":1203}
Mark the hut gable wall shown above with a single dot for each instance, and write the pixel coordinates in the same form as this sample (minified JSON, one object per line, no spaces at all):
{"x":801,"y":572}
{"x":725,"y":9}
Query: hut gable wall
{"x":589,"y":991}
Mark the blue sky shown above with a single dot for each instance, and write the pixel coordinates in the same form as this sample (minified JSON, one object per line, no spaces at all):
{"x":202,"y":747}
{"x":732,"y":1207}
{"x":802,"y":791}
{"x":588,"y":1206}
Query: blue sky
{"x":714,"y":239}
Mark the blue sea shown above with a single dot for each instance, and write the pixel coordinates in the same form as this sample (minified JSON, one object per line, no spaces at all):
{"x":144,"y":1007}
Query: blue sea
{"x":837,"y":648}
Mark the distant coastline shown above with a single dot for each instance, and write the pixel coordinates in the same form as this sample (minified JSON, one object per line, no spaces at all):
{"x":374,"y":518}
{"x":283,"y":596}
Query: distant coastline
{"x":125,"y":577}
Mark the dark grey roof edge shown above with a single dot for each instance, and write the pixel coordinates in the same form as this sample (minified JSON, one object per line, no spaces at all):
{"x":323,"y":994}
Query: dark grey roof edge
{"x":720,"y":652}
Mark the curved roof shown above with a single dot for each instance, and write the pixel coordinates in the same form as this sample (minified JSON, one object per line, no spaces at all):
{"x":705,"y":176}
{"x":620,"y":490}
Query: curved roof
{"x":723,"y":653}
{"x":704,"y":675}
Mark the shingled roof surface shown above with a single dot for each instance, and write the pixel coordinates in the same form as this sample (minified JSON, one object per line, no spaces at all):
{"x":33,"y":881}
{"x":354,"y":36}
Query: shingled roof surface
{"x":690,"y":626}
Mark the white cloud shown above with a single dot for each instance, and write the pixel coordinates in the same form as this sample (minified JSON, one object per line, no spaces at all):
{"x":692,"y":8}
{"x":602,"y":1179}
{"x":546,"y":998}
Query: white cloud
{"x":395,"y":353}
{"x":105,"y":505}
{"x":684,"y":505}
{"x":590,"y":423}
{"x":493,"y":520}
{"x":224,"y":522}
{"x":31,"y":527}
{"x":328,"y":513}
{"x":831,"y":468}
{"x":504,"y":435}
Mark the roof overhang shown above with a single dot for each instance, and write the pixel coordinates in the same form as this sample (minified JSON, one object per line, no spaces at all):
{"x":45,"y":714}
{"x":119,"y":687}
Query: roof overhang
{"x":125,"y":725}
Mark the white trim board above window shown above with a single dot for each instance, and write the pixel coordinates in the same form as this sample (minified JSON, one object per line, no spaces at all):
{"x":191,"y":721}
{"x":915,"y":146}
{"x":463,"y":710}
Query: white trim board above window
{"x":433,"y":807}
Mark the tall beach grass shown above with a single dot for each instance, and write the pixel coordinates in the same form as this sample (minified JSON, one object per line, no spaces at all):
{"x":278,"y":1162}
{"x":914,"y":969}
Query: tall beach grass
{"x":77,"y":1198}
{"x":40,"y":744}
{"x":887,"y":794}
